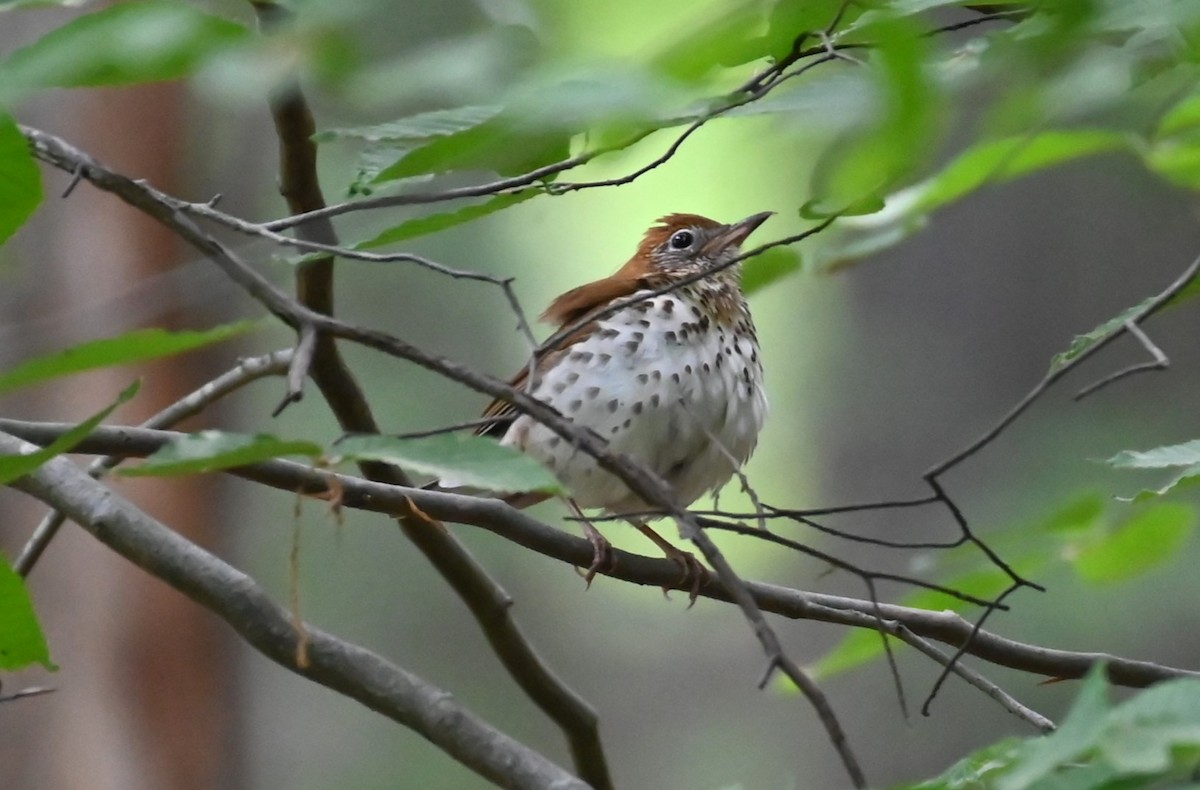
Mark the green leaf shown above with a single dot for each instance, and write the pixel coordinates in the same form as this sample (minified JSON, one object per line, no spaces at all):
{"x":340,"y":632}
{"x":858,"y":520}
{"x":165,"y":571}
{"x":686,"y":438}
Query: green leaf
{"x":774,"y":264}
{"x":1083,"y":342}
{"x":728,"y":38}
{"x":1040,"y":758}
{"x":474,"y":461}
{"x":1188,"y":478}
{"x":21,"y":639}
{"x":1175,"y":150}
{"x":1145,"y":541}
{"x":822,"y":208}
{"x":124,"y":44}
{"x":413,"y":129}
{"x":977,"y":771}
{"x":439,"y":222}
{"x":16,"y":466}
{"x":136,"y":346}
{"x":1150,"y":741}
{"x":1080,"y":514}
{"x":1186,"y":454}
{"x":20,"y":179}
{"x":998,"y":161}
{"x":501,"y":144}
{"x":210,"y":451}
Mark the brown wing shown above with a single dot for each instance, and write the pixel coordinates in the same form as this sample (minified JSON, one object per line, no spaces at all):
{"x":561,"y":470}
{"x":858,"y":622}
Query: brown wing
{"x":563,"y":311}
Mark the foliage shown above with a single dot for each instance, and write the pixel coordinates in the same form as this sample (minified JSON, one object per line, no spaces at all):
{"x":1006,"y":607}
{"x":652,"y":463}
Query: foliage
{"x":876,"y":86}
{"x":1152,"y":740}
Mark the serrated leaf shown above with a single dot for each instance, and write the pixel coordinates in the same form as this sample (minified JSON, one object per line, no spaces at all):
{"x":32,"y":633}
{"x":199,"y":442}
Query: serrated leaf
{"x":413,"y":129}
{"x":1188,"y":478}
{"x":472,"y":461}
{"x":210,"y":451}
{"x":21,"y":639}
{"x":15,"y":466}
{"x":438,"y":222}
{"x":1185,"y":454}
{"x":1145,"y":541}
{"x":20,"y":179}
{"x":123,"y":44}
{"x":774,"y":264}
{"x":136,"y":346}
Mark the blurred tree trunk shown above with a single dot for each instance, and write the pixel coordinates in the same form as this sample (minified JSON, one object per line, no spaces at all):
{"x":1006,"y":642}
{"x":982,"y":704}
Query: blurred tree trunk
{"x":146,"y":686}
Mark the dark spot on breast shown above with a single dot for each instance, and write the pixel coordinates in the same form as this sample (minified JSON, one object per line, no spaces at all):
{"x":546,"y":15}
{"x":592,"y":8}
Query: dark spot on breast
{"x":592,"y":392}
{"x":574,"y":405}
{"x":654,"y":401}
{"x":682,"y":335}
{"x":746,"y":374}
{"x":728,"y":351}
{"x":704,"y":324}
{"x":559,"y":387}
{"x":643,"y":323}
{"x":675,"y":377}
{"x":719,"y":360}
{"x":572,"y":378}
{"x":608,"y":333}
{"x":613,"y":404}
{"x":632,"y":345}
{"x":637,"y":407}
{"x":643,"y":378}
{"x":670,"y":337}
{"x":687,"y":369}
{"x":638,"y":336}
{"x":615,"y":428}
{"x":753,"y":356}
{"x":668,"y":306}
{"x":627,"y":423}
{"x":696,"y":310}
{"x":707,"y":369}
{"x":642,"y":307}
{"x":656,"y":375}
{"x":605,"y":358}
{"x":555,"y":441}
{"x":581,"y":356}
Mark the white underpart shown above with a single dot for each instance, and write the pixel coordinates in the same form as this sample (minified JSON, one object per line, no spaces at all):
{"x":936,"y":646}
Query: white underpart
{"x":689,"y":404}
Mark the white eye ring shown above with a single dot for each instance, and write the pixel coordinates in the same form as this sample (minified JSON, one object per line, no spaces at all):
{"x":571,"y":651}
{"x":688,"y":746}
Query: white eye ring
{"x":682,"y":239}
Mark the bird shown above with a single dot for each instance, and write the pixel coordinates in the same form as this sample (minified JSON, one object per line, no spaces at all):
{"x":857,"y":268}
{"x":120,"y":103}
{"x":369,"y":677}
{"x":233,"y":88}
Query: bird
{"x":674,"y":380}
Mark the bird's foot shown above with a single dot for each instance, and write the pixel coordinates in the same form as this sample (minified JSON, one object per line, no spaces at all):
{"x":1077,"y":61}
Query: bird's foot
{"x":695,"y":574}
{"x":603,"y":560}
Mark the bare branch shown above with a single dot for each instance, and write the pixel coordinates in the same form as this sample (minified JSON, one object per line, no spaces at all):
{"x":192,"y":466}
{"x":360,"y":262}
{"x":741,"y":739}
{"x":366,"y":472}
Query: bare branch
{"x":346,"y":668}
{"x":247,"y":371}
{"x":1159,"y":361}
{"x":515,"y":526}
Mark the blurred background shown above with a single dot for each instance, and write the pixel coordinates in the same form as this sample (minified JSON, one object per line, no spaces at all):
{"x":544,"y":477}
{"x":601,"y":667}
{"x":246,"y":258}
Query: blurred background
{"x":875,"y":373}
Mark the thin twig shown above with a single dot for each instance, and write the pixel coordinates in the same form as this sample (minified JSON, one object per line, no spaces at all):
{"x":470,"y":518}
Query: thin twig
{"x":1159,"y":361}
{"x":247,"y":371}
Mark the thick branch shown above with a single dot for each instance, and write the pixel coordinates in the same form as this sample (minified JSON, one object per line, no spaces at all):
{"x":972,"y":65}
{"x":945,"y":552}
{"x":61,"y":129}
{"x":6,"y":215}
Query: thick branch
{"x":514,"y":525}
{"x":346,"y":668}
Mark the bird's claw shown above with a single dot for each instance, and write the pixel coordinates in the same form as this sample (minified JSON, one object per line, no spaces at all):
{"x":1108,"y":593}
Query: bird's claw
{"x":603,"y":560}
{"x":694,"y":577}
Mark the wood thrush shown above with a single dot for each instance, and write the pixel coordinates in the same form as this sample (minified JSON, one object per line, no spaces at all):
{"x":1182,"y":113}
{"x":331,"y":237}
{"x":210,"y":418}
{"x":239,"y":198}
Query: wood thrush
{"x":674,"y":381}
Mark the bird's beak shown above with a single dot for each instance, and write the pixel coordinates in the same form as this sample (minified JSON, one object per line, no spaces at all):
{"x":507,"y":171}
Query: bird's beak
{"x":733,"y":235}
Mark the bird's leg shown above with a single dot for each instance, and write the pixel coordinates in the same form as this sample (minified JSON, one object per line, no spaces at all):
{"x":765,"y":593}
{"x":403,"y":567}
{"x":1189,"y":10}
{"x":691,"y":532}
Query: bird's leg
{"x":695,"y":575}
{"x":602,"y":556}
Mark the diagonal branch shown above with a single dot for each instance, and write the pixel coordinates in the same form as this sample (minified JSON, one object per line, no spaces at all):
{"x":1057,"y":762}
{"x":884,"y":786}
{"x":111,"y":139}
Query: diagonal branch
{"x":485,"y":599}
{"x":640,"y":480}
{"x":346,"y":668}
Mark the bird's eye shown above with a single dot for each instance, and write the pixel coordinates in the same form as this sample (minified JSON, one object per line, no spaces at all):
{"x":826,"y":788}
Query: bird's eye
{"x":682,"y":240}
